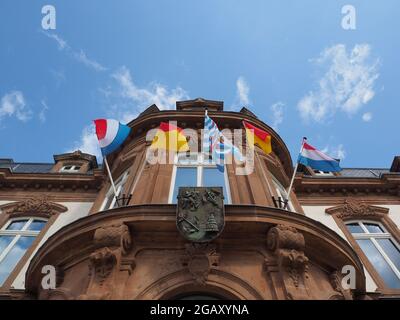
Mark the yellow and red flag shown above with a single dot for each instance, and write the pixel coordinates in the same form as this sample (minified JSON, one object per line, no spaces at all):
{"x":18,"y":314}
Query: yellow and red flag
{"x":169,"y":137}
{"x":256,"y":136}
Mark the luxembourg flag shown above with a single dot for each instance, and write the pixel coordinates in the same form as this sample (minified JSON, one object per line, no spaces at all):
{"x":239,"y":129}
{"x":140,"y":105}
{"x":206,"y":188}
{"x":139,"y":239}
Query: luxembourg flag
{"x":309,"y":156}
{"x":111,"y":134}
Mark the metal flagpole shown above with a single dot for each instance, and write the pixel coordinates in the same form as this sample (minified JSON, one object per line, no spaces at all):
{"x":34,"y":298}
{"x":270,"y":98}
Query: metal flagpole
{"x":295,"y":170}
{"x":111,"y":179}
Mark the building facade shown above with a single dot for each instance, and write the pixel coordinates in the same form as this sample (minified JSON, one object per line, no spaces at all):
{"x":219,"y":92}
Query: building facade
{"x":63,"y":217}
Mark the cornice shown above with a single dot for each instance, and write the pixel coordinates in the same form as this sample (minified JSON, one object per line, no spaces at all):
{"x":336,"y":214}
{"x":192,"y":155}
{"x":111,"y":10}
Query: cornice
{"x":50,"y":182}
{"x":387,"y":185}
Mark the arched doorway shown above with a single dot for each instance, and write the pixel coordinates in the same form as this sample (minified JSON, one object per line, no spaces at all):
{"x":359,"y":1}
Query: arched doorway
{"x":197,"y":296}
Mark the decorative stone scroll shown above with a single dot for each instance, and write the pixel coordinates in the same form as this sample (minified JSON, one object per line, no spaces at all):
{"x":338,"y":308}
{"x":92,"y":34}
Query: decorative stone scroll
{"x":287,"y":244}
{"x":352,"y":208}
{"x":199,"y":258}
{"x":107,"y":262}
{"x":38,"y":206}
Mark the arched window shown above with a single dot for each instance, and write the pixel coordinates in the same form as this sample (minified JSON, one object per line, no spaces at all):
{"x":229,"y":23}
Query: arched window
{"x":381,"y":249}
{"x":16,"y":236}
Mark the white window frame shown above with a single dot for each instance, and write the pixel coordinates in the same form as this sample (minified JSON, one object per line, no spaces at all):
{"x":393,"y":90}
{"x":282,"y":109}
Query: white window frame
{"x":72,"y":169}
{"x":199,"y":164}
{"x":119,"y":185}
{"x":323,"y":173}
{"x":17,"y":234}
{"x":373,"y":236}
{"x":281,"y":191}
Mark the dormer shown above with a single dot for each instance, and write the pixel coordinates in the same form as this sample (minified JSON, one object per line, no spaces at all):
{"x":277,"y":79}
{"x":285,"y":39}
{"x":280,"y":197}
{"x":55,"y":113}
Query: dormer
{"x":76,"y":162}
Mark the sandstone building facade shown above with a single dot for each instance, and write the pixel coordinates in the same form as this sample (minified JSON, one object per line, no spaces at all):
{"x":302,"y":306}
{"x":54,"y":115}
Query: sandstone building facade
{"x":64,"y":214}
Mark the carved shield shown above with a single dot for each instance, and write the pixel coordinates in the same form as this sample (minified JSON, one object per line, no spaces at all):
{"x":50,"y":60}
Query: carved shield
{"x":200,"y":213}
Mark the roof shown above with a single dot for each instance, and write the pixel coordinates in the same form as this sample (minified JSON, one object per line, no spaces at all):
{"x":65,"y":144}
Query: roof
{"x":31,"y":167}
{"x":363,"y":172}
{"x":27,"y":167}
{"x":357,"y":173}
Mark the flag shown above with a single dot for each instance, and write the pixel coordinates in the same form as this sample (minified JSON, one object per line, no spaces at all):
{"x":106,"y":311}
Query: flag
{"x":111,"y":134}
{"x":256,"y":136}
{"x":217,"y":145}
{"x":169,"y":137}
{"x":309,"y":156}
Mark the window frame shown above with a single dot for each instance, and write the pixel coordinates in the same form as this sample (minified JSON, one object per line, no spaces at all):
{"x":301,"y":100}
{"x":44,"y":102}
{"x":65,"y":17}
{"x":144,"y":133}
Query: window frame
{"x":199,"y":164}
{"x":320,"y":173}
{"x":354,"y":209}
{"x":372,"y":236}
{"x":279,"y":188}
{"x":17,"y":234}
{"x":119,"y":186}
{"x":72,"y":170}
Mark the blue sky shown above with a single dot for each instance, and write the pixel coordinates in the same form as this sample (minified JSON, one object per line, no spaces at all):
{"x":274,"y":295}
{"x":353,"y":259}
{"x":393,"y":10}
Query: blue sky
{"x":291,"y":62}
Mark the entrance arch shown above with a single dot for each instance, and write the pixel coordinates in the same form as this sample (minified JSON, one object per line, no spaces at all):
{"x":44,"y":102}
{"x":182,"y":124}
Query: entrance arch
{"x":219,"y":284}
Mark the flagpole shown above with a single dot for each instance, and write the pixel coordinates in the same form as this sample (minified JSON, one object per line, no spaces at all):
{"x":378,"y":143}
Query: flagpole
{"x":295,"y":170}
{"x":111,"y":179}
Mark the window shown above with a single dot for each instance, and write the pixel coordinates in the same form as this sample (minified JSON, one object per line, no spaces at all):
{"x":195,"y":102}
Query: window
{"x":380,"y":248}
{"x":110,"y":201}
{"x":195,"y":171}
{"x":281,"y":191}
{"x":70,"y":169}
{"x":323,"y":173}
{"x":16,"y":237}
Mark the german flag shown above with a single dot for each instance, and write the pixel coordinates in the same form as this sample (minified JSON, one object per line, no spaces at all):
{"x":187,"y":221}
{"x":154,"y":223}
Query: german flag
{"x":256,"y":136}
{"x":169,"y":137}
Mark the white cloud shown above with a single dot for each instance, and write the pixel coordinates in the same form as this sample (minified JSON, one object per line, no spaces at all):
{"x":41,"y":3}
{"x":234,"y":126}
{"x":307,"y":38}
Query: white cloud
{"x":346,"y":86}
{"x":62,"y":44}
{"x":143,"y":97}
{"x":367,"y":117}
{"x":337,"y":152}
{"x":79,"y":56}
{"x":242,"y":92}
{"x":82,"y":57}
{"x":134,"y":100}
{"x":277,"y":114}
{"x":88,"y":142}
{"x":13,"y":104}
{"x":42,"y":113}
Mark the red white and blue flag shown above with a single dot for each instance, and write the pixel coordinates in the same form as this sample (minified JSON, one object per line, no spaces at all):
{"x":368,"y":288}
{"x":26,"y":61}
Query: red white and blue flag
{"x":310,"y":156}
{"x":111,"y":134}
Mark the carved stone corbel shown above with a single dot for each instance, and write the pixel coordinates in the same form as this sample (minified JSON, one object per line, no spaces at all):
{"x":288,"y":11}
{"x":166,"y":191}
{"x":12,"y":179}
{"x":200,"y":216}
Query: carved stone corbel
{"x":336,"y":282}
{"x":199,"y":258}
{"x":287,"y":245}
{"x":108,"y":268}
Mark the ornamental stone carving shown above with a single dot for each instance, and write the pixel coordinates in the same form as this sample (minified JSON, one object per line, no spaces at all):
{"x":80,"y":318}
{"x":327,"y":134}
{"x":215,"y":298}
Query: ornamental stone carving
{"x":40,"y":206}
{"x":336,"y":282}
{"x":116,"y":235}
{"x":352,"y":208}
{"x":199,"y":258}
{"x":287,"y":244}
{"x":108,"y":262}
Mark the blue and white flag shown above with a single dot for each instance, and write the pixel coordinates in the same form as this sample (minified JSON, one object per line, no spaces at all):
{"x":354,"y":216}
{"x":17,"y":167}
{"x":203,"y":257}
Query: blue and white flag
{"x":217,"y":145}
